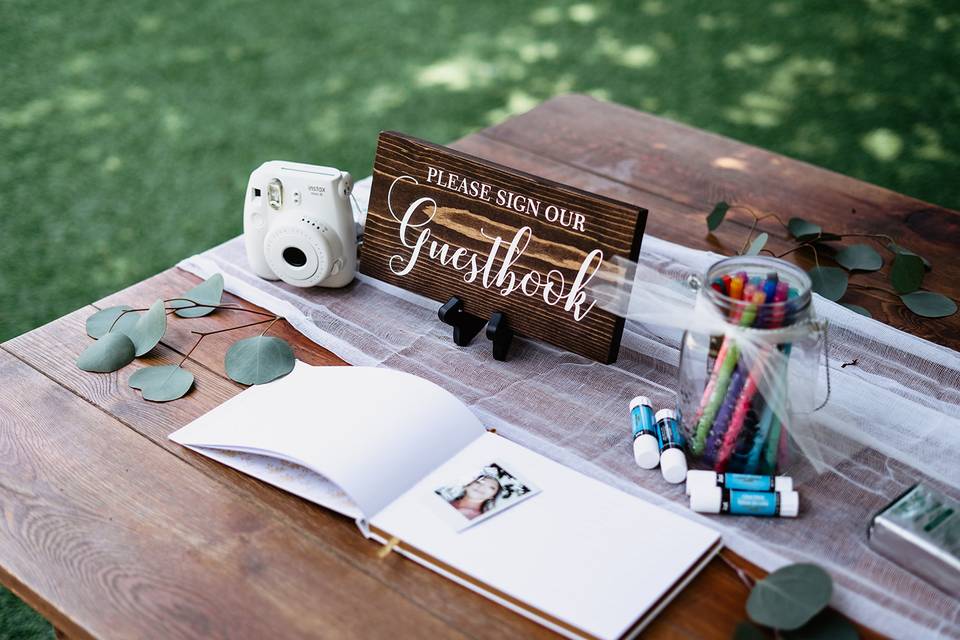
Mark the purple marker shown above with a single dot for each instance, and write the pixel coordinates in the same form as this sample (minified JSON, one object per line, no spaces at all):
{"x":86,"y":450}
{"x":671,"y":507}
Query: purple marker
{"x":722,"y":421}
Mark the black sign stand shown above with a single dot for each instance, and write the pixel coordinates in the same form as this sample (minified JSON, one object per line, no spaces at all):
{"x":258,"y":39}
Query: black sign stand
{"x":467,"y":326}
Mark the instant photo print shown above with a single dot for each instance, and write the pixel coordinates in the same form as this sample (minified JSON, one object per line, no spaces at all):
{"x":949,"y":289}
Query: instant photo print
{"x":480,"y":494}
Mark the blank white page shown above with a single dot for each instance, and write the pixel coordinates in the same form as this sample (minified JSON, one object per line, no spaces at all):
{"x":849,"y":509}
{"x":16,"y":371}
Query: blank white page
{"x":373,"y":432}
{"x":580,"y":551}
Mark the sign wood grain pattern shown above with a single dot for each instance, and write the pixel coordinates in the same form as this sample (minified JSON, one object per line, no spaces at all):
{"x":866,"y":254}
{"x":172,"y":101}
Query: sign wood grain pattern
{"x":442,"y":223}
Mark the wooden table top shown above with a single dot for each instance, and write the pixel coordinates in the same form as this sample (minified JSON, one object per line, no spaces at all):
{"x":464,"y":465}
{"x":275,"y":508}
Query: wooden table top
{"x":111,"y":530}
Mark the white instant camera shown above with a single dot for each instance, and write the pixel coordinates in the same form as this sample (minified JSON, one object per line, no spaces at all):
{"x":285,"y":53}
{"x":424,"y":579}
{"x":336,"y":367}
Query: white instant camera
{"x":298,"y":225}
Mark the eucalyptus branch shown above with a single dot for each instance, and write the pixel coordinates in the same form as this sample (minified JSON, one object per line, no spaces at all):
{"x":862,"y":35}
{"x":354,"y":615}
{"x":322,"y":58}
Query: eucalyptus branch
{"x":226,"y":307}
{"x":269,"y":326}
{"x":816,"y":256}
{"x":880,"y":236}
{"x":193,"y":305}
{"x":753,"y":228}
{"x":852,"y":258}
{"x":254,"y":360}
{"x":203,"y":334}
{"x":759,"y":217}
{"x":856,"y":285}
{"x":242,"y":326}
{"x":745,"y":577}
{"x":195,"y":345}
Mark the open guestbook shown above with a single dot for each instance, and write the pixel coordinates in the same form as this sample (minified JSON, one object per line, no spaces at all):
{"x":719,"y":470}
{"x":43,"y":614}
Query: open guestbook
{"x":417,"y":470}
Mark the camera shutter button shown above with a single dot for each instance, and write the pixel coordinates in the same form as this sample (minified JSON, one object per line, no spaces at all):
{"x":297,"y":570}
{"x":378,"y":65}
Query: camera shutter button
{"x":336,"y":266}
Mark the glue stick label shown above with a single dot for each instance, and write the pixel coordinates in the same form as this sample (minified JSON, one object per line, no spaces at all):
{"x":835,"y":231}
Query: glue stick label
{"x":642,"y":419}
{"x":748,"y":482}
{"x":668,"y":433}
{"x":752,"y":503}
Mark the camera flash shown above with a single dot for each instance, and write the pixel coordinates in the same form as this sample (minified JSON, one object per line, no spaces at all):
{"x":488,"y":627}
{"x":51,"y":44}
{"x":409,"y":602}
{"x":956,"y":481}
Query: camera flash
{"x":275,"y":194}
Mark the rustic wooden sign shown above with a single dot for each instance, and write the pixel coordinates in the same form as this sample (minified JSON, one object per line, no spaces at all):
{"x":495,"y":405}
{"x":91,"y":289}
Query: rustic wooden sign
{"x":442,"y":223}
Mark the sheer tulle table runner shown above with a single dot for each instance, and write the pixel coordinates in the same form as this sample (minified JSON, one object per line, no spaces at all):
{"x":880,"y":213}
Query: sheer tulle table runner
{"x":893,"y":418}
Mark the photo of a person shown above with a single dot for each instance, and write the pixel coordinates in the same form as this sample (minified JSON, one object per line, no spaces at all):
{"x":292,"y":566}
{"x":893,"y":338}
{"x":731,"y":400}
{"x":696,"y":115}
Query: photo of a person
{"x":479,"y":495}
{"x":490,"y":491}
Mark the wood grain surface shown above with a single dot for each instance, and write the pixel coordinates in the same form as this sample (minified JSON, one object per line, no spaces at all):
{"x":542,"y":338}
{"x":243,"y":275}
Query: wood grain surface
{"x":110,"y":530}
{"x":565,"y":226}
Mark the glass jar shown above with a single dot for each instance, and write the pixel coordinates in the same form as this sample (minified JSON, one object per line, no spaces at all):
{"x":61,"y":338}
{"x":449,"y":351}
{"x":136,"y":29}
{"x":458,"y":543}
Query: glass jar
{"x":746,"y":387}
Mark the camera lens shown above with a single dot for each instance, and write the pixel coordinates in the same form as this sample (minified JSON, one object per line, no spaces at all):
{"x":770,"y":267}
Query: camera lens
{"x":294,"y":257}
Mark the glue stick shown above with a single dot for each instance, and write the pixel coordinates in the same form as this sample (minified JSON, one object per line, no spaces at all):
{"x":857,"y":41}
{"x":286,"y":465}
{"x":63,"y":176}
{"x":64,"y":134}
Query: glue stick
{"x":697,"y":479}
{"x":784,"y":504}
{"x":646,"y":450}
{"x":673,"y":463}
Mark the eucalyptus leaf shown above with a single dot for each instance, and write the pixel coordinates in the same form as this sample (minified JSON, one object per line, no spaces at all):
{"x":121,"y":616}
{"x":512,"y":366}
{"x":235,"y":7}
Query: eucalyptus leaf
{"x":828,"y":625}
{"x":746,"y":631}
{"x":100,"y":323}
{"x":210,"y":291}
{"x":906,"y":275}
{"x":789,"y":597}
{"x":858,"y":309}
{"x":929,"y":304}
{"x":258,"y":360}
{"x":801,"y":229}
{"x":830,"y":282}
{"x":111,"y":352}
{"x":861,"y":257}
{"x":897,"y":249}
{"x":162,"y":383}
{"x":717,"y":215}
{"x":149,"y":328}
{"x":757,"y":245}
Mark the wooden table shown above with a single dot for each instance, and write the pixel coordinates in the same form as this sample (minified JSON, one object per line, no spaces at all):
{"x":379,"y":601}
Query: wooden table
{"x":111,"y":530}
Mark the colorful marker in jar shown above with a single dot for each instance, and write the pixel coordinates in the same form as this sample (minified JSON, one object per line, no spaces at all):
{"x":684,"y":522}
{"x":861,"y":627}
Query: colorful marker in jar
{"x":673,"y":462}
{"x":699,"y":479}
{"x":646,"y":449}
{"x":784,"y":504}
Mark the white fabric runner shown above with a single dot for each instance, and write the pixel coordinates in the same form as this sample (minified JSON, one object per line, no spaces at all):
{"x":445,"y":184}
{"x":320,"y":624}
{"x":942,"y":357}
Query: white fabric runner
{"x":896,"y":414}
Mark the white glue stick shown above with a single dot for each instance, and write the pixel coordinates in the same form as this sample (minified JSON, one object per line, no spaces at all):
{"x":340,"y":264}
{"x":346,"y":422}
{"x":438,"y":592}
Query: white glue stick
{"x":646,"y":449}
{"x":746,"y":503}
{"x":673,"y":463}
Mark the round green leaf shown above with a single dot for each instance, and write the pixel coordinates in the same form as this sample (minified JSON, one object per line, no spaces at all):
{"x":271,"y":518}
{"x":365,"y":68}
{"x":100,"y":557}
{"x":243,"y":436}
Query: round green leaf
{"x":858,"y":309}
{"x":897,"y":249}
{"x":906,"y":275}
{"x":862,"y":257}
{"x":717,"y":215}
{"x":746,"y":631}
{"x":758,"y":243}
{"x":801,"y":229}
{"x":111,"y":352}
{"x":829,"y":625}
{"x":830,"y":282}
{"x":789,"y":597}
{"x":210,"y":291}
{"x":929,"y":304}
{"x":149,"y":328}
{"x":162,"y":383}
{"x":258,"y":360}
{"x":99,"y":323}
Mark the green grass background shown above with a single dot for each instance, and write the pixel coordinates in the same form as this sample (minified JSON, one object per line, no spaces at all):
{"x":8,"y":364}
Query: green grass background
{"x":128,"y":129}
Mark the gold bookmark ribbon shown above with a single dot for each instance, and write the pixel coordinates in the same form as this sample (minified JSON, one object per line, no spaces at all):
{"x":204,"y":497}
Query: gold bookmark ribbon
{"x":385,"y":550}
